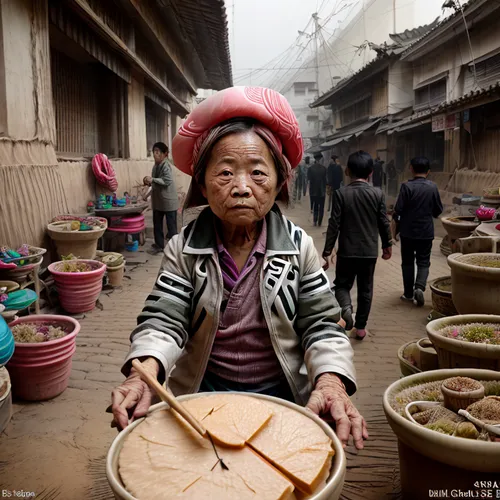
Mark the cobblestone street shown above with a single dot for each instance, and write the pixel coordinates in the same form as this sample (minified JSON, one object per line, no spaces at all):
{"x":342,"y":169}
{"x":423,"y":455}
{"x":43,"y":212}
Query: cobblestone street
{"x":57,"y":448}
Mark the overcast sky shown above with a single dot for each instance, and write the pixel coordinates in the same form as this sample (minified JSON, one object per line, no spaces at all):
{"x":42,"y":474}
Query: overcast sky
{"x":265,"y":28}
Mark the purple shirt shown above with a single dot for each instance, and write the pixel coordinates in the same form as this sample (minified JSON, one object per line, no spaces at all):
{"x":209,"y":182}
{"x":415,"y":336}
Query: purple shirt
{"x":242,"y":350}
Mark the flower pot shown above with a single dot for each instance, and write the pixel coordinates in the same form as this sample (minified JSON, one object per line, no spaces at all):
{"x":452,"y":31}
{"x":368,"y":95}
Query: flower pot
{"x":432,"y":461}
{"x":459,"y":227}
{"x":115,"y":274}
{"x":331,"y":491}
{"x":475,"y":288}
{"x":78,"y":291}
{"x":453,"y":353}
{"x":19,"y":274}
{"x":442,"y":301}
{"x":459,"y":400}
{"x":6,"y":342}
{"x":82,"y":244}
{"x":41,"y":370}
{"x":406,"y":367}
{"x":427,"y":358}
{"x":5,"y":399}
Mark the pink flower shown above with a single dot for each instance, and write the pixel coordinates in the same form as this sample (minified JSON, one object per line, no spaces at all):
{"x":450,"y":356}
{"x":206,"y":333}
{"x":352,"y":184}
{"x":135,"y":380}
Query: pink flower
{"x":454,"y":333}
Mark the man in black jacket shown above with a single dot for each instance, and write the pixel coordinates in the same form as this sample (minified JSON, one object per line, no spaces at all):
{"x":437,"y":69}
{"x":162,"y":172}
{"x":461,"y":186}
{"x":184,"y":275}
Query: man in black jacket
{"x":334,"y":178}
{"x":418,"y":203}
{"x":316,"y":175}
{"x":359,"y":215}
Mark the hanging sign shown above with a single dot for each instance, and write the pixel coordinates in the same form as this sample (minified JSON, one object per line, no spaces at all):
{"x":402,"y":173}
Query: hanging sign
{"x":438,"y":123}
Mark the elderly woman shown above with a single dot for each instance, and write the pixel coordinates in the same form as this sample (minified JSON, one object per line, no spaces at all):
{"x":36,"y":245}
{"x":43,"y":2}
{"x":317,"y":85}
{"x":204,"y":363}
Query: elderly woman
{"x":241,"y":302}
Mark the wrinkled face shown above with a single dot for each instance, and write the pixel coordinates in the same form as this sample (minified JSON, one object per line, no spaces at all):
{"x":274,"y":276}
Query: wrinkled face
{"x":158,"y":155}
{"x":241,"y":181}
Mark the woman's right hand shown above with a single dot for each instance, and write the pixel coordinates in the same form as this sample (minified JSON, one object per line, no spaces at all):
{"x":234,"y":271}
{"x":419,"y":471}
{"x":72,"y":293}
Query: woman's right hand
{"x":133,"y":394}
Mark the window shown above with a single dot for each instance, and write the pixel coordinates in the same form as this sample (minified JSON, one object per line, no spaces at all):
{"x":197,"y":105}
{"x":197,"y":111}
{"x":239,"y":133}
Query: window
{"x":88,"y":103}
{"x":487,"y":73}
{"x":304,"y":88}
{"x":431,"y":95}
{"x":356,"y":111}
{"x":156,"y":124}
{"x":312,"y":118}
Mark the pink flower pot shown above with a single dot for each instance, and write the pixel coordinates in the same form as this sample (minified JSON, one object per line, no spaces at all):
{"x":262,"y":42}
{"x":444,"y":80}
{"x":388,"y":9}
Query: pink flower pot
{"x":78,"y":292}
{"x":41,"y":370}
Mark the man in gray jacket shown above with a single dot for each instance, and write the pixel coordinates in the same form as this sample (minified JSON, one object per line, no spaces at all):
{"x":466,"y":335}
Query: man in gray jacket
{"x":164,"y":196}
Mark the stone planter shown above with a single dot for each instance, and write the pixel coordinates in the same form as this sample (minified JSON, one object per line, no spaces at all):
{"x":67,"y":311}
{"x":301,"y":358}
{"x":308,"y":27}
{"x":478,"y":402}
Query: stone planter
{"x":475,"y":288}
{"x":82,"y":244}
{"x":41,"y":370}
{"x":78,"y":292}
{"x":453,"y":353}
{"x":459,"y":227}
{"x":432,"y":461}
{"x":442,"y":301}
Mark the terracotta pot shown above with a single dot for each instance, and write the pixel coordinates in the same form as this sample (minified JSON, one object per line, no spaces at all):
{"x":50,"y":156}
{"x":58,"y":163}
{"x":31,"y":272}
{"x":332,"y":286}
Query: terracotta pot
{"x":331,"y":491}
{"x":115,"y":274}
{"x":82,"y":244}
{"x":460,"y":400}
{"x":5,"y":399}
{"x":78,"y":292}
{"x":442,"y":301}
{"x":454,"y":353}
{"x":41,"y":370}
{"x":406,"y":367}
{"x":475,"y":289}
{"x":460,"y":229}
{"x":432,"y":461}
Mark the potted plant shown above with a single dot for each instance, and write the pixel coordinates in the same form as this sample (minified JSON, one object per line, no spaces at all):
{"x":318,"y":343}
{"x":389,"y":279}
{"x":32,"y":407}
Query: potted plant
{"x":475,"y":282}
{"x":442,"y":301}
{"x":77,"y":235}
{"x":78,"y":283}
{"x":431,"y":458}
{"x":467,"y":341}
{"x":461,"y":392}
{"x":115,"y":266}
{"x":41,"y":364}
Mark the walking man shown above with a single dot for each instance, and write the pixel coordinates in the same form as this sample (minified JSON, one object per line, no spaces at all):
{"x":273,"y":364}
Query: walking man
{"x":300,"y":179}
{"x":359,"y":215}
{"x":164,"y":197}
{"x":377,"y":172}
{"x":316,"y":176}
{"x":305,"y":174}
{"x":334,"y":177}
{"x":418,"y":203}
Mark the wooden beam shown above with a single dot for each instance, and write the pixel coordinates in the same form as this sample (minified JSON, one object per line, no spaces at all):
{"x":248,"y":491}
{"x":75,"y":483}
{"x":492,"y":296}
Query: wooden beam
{"x":95,"y":22}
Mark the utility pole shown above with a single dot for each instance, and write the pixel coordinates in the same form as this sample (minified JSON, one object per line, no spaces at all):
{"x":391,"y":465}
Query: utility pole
{"x":317,"y":27}
{"x":394,"y":16}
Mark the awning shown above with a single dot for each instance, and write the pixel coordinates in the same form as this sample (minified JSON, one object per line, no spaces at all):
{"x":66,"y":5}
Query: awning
{"x":334,"y":142}
{"x":345,"y":135}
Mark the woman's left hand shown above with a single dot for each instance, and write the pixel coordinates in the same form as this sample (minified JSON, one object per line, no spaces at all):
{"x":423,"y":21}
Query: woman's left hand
{"x":330,"y":398}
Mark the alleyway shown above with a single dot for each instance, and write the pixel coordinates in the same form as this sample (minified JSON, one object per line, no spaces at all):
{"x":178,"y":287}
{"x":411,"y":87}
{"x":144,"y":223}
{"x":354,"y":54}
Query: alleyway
{"x":57,"y":449}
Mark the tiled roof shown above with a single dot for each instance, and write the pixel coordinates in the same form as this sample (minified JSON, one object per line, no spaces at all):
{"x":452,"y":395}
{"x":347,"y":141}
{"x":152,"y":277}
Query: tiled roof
{"x":205,"y":24}
{"x":440,"y":25}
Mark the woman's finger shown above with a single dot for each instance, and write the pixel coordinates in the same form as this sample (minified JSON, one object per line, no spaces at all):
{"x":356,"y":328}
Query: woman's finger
{"x":143,"y":404}
{"x":357,"y":430}
{"x":342,"y":421}
{"x":119,"y":411}
{"x":315,"y":403}
{"x":365,"y":430}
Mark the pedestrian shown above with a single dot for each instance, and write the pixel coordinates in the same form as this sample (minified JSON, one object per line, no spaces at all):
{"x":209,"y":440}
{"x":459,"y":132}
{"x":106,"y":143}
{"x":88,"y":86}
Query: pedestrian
{"x":334,"y":177}
{"x":300,"y":179}
{"x":418,"y":203}
{"x":163,"y":196}
{"x":305,"y":170}
{"x":377,"y":172}
{"x":358,"y":218}
{"x":316,"y":175}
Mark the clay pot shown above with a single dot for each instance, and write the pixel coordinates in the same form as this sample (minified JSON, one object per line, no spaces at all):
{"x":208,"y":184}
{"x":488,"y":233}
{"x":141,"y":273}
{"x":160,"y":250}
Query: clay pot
{"x":459,"y":400}
{"x":41,"y":370}
{"x":453,"y":353}
{"x":460,"y":229}
{"x":20,"y":273}
{"x":442,"y":301}
{"x":331,"y":491}
{"x":5,"y":399}
{"x":82,"y":244}
{"x":115,"y":274}
{"x":406,"y":367}
{"x":475,"y":288}
{"x":78,"y":292}
{"x":432,"y":461}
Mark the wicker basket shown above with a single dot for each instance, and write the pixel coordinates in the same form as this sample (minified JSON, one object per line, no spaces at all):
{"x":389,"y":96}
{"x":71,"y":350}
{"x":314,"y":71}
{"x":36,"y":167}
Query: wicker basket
{"x":442,"y":301}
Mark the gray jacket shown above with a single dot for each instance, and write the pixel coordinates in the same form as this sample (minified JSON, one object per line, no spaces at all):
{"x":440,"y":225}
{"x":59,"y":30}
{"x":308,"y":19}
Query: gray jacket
{"x":164,"y":195}
{"x":180,"y":319}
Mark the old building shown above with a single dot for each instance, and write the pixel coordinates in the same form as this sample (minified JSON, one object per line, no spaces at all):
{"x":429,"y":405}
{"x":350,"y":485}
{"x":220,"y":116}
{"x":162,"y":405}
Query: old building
{"x":85,"y":76}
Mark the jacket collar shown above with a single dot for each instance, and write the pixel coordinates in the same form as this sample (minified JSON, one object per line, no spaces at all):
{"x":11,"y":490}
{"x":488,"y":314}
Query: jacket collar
{"x":202,"y":239}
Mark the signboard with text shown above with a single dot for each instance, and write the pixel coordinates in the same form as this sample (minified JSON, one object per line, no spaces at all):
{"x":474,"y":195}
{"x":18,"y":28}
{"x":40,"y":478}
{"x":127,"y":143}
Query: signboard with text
{"x":445,"y":122}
